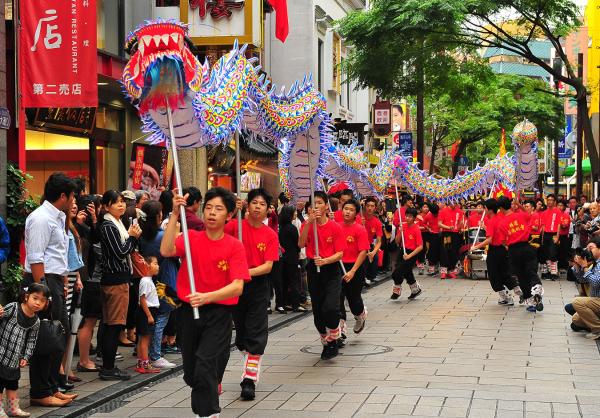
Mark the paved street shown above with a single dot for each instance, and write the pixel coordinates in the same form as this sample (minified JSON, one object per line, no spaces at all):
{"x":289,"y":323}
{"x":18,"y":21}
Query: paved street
{"x":452,"y":352}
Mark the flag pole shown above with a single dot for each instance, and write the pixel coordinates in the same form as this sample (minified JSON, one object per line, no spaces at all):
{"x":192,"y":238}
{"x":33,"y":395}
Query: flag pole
{"x":238,"y":180}
{"x":182,"y":218}
{"x":312,"y":198}
{"x":399,"y":215}
{"x":482,"y":216}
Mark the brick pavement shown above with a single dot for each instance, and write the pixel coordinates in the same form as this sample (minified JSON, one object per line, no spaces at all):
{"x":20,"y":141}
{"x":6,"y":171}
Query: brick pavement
{"x":452,"y":352}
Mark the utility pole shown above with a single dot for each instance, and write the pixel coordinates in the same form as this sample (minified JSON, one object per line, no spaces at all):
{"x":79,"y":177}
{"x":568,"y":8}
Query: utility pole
{"x":580,"y":116}
{"x":421,"y":111}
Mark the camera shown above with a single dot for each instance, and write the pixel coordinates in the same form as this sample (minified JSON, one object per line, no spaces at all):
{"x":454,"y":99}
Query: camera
{"x":585,"y":254}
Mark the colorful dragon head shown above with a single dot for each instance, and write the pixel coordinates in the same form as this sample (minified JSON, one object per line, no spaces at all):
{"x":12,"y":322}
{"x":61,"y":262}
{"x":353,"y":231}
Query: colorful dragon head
{"x":162,"y":68}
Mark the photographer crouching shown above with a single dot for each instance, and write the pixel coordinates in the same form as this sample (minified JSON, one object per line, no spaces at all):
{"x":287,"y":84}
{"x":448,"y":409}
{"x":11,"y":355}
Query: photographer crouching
{"x":586,"y":310}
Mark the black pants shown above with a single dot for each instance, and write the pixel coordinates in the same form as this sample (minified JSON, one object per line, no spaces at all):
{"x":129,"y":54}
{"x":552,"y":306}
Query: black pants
{"x":404,"y":269}
{"x":371,"y":267}
{"x":205,"y":351}
{"x":325,"y":288}
{"x":550,"y":248}
{"x":433,"y":252}
{"x":564,"y":250}
{"x":44,"y":369}
{"x":110,"y":344}
{"x":134,"y":288}
{"x":250,"y":316}
{"x":523,"y":263}
{"x":290,"y":279}
{"x":450,"y":242}
{"x":498,"y":270}
{"x":275,"y":280}
{"x":352,"y":292}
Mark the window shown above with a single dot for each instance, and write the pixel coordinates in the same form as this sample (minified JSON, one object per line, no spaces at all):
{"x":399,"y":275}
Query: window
{"x":110,"y":25}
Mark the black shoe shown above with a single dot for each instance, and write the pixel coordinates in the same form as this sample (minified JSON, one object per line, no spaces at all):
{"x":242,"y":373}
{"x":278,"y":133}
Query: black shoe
{"x":394,"y":296}
{"x":281,"y":310}
{"x":64,"y":385}
{"x":577,"y":328}
{"x":341,"y":342}
{"x":539,"y":306}
{"x":269,"y":310}
{"x":417,"y":293}
{"x":114,"y":374}
{"x":553,"y":277}
{"x":248,"y":388}
{"x":330,"y":351}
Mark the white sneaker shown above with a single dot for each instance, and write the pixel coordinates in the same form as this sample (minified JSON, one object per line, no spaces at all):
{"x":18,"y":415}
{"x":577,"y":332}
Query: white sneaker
{"x":163,"y":363}
{"x":359,"y":323}
{"x":592,"y":335}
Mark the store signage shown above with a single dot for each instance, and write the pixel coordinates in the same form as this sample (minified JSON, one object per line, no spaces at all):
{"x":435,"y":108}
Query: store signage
{"x":4,"y":118}
{"x":81,"y":120}
{"x":382,"y":118}
{"x":563,"y":150}
{"x":405,"y":145}
{"x":57,"y":54}
{"x":218,"y":8}
{"x":150,"y":169}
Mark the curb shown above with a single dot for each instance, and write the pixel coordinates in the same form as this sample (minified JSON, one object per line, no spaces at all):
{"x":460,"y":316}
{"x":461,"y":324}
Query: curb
{"x":110,"y":395}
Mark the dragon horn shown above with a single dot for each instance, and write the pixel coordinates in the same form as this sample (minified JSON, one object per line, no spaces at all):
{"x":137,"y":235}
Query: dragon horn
{"x":261,"y":78}
{"x":243,"y":50}
{"x":235,"y":45}
{"x":253,"y":60}
{"x":282,"y":92}
{"x":257,"y":68}
{"x":267,"y":82}
{"x":273,"y":86}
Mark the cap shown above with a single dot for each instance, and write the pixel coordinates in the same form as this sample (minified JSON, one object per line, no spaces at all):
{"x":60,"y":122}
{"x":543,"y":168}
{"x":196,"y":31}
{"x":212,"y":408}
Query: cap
{"x":128,"y":194}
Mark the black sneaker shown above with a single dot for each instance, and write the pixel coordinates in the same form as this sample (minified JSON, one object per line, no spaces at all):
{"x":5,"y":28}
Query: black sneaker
{"x":341,"y":342}
{"x":248,"y":388}
{"x":577,"y":328}
{"x":553,"y":277}
{"x":415,"y":294}
{"x":394,"y":296}
{"x":539,"y":306}
{"x":114,"y":374}
{"x":330,"y":351}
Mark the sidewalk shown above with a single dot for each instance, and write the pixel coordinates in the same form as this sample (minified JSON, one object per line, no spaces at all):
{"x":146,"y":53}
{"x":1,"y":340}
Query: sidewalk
{"x":451,"y":352}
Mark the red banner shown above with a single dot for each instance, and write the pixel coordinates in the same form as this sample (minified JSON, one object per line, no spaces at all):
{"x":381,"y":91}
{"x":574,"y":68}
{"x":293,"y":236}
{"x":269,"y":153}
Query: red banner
{"x":57,"y":53}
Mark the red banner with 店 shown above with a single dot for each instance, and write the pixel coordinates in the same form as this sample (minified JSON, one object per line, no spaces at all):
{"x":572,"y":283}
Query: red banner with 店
{"x":57,"y":53}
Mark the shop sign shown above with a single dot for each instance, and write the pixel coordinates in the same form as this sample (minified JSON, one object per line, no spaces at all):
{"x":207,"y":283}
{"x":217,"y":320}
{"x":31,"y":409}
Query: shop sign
{"x":563,"y":151}
{"x":57,"y":53}
{"x":150,"y":169}
{"x":80,"y":120}
{"x":382,"y":118}
{"x":4,"y":118}
{"x":405,"y":145}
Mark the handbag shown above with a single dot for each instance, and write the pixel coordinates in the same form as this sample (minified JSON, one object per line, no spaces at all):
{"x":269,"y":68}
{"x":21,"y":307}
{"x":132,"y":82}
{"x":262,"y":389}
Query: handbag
{"x":51,"y":335}
{"x":139,"y":265}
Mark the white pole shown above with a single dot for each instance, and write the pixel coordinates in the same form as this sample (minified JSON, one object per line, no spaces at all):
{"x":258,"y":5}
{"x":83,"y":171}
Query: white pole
{"x":482,"y":216}
{"x":182,"y":219}
{"x":325,"y":190}
{"x":399,"y":215}
{"x":312,"y":198}
{"x":238,"y":180}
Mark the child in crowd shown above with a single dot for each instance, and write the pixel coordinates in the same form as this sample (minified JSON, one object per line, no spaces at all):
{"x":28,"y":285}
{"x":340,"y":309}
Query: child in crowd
{"x":19,"y":325}
{"x":144,"y":317}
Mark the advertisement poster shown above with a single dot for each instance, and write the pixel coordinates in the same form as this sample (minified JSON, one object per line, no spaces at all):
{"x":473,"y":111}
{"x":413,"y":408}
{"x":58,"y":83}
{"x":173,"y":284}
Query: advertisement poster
{"x":150,"y":169}
{"x":405,"y":145}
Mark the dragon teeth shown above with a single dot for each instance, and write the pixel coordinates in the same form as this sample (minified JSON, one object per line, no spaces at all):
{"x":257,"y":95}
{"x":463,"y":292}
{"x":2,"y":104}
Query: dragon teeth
{"x":165,"y":39}
{"x":156,"y":40}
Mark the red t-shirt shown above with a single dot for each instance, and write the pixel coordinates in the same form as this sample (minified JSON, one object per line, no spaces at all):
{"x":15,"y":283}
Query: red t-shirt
{"x":396,"y":220}
{"x":356,"y":241}
{"x":565,"y":223}
{"x":536,"y":222}
{"x":431,"y":222}
{"x":338,"y":216}
{"x":452,"y":218}
{"x":261,"y":244}
{"x":216,"y":264}
{"x":494,"y":230}
{"x":551,"y":220}
{"x":412,"y":236}
{"x":516,"y":227}
{"x":373,"y":227}
{"x":331,"y":239}
{"x":474,"y":218}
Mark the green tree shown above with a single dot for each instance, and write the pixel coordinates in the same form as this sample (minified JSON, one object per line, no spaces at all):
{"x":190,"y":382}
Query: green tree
{"x":387,"y":40}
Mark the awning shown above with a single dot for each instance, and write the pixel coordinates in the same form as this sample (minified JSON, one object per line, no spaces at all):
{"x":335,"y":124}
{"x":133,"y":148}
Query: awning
{"x":585,"y":165}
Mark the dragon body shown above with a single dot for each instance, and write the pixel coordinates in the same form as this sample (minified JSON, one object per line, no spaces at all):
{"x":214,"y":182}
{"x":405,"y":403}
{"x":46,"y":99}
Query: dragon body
{"x":209,"y":105}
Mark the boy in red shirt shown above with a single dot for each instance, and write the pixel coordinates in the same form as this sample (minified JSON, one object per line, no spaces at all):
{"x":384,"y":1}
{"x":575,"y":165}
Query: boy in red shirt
{"x":220,"y":270}
{"x":250,"y":315}
{"x":451,"y":219}
{"x":374,"y":234}
{"x":357,"y":245}
{"x":324,"y":286}
{"x":515,"y":226}
{"x":497,"y":256}
{"x":338,"y":215}
{"x":431,"y":223}
{"x":564,"y":243}
{"x":413,"y":243}
{"x":551,"y":222}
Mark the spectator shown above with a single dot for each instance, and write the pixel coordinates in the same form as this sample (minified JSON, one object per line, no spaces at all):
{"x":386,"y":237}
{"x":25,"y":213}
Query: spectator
{"x":46,"y":245}
{"x":166,"y":201}
{"x":149,"y":245}
{"x":117,"y":245}
{"x":290,"y":273}
{"x":146,"y":316}
{"x":141,"y":197}
{"x":586,"y":310}
{"x":194,"y":200}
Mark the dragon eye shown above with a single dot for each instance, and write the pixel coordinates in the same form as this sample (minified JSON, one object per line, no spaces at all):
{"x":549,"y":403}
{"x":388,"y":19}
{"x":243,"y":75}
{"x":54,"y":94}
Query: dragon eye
{"x":131,"y":47}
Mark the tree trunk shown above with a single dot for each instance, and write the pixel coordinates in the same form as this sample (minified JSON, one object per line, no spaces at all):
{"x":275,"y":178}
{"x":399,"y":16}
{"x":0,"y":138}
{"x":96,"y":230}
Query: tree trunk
{"x":588,"y":136}
{"x":434,"y":145}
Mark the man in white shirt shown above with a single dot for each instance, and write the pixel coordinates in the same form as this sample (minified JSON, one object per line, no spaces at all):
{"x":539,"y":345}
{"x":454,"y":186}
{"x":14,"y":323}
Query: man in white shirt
{"x":46,"y":246}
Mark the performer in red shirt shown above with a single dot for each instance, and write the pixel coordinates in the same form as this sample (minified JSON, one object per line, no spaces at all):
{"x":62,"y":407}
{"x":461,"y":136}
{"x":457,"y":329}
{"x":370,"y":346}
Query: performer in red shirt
{"x":374,"y":233}
{"x":451,"y":221}
{"x":431,"y":223}
{"x":551,"y":222}
{"x":515,"y":226}
{"x":475,"y":216}
{"x":338,"y":215}
{"x":564,"y":243}
{"x":324,"y":286}
{"x":220,"y":270}
{"x":413,"y":242}
{"x":420,"y":222}
{"x":405,"y":203}
{"x":497,"y":256}
{"x":250,"y":315}
{"x":537,"y":227}
{"x":357,"y":245}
